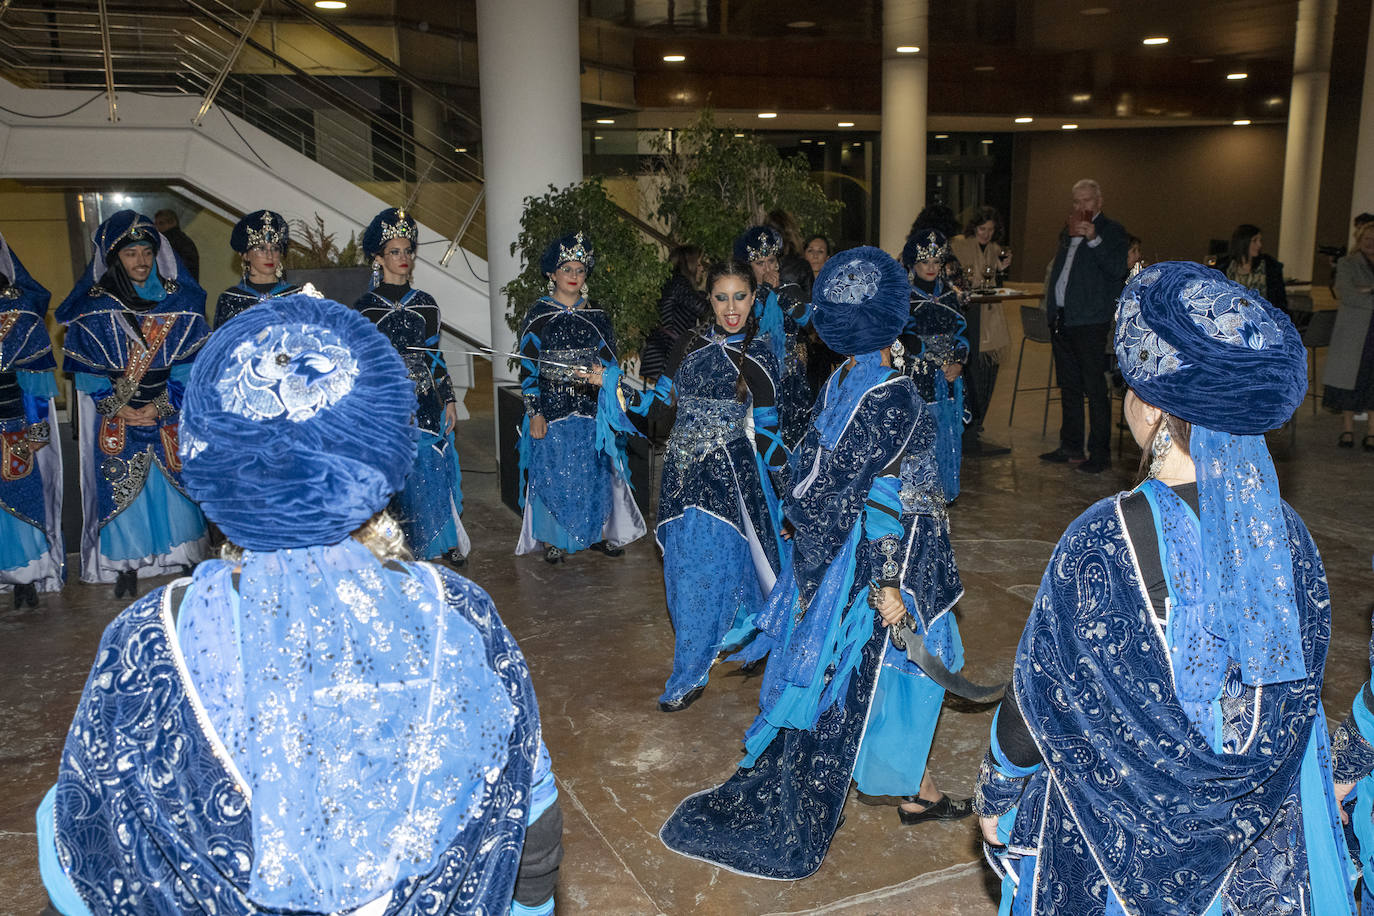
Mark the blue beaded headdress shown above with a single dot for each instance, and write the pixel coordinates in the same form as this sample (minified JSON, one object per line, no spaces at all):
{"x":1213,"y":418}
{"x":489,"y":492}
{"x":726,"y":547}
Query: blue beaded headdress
{"x":296,"y":425}
{"x":1209,"y":351}
{"x":260,"y":229}
{"x":926,"y":245}
{"x":860,"y":301}
{"x":121,"y":230}
{"x":757,"y":243}
{"x":569,"y":248}
{"x":391,"y":223}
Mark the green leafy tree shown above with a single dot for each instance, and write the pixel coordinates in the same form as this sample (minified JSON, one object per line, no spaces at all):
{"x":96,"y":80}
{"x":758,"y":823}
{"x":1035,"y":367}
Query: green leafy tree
{"x":629,"y":272}
{"x":712,"y":185}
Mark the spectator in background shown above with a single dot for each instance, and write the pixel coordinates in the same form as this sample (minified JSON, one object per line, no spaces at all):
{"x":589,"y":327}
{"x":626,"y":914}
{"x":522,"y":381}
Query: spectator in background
{"x":680,"y":306}
{"x":1134,"y":255}
{"x":817,"y":252}
{"x":1085,"y":280}
{"x":982,"y":255}
{"x":1247,"y":264}
{"x":170,"y":226}
{"x":1349,"y":370}
{"x":793,"y":269}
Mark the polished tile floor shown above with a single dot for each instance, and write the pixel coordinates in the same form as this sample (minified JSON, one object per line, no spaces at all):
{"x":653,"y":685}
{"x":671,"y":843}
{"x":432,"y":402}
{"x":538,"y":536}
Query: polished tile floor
{"x":599,"y":642}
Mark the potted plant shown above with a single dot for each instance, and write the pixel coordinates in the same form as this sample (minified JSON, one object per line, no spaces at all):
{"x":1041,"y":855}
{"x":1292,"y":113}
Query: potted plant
{"x":316,"y":258}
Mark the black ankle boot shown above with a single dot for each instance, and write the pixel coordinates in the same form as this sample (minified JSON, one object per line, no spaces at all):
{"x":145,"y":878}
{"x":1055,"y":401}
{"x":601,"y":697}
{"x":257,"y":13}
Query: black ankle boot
{"x":126,"y":583}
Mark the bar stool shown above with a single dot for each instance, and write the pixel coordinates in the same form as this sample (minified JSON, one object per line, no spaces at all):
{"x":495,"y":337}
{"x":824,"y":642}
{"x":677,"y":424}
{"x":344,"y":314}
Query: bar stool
{"x":1035,"y":327}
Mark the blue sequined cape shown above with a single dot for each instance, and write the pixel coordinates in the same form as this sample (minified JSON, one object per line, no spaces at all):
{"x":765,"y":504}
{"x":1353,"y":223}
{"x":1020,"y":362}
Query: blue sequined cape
{"x":123,"y":466}
{"x":151,"y":819}
{"x":1134,"y":807}
{"x":775,"y":817}
{"x":430,"y":506}
{"x":575,"y":481}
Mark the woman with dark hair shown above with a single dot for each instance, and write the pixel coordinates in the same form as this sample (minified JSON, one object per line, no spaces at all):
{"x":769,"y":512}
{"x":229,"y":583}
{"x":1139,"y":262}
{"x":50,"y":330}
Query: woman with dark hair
{"x":869,"y":550}
{"x":261,"y":239}
{"x":32,"y":553}
{"x":982,"y":257}
{"x":1247,"y":264}
{"x":718,"y":517}
{"x":680,"y":306}
{"x":793,"y":269}
{"x":134,"y":323}
{"x":817,"y":252}
{"x":1349,"y":371}
{"x":575,"y":487}
{"x":1163,"y":747}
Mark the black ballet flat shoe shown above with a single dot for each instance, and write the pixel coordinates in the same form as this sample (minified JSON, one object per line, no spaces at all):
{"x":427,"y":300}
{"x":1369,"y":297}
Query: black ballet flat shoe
{"x":126,"y":583}
{"x":553,"y":555}
{"x":946,"y":809}
{"x":1367,"y":443}
{"x":682,"y":702}
{"x":1347,"y":440}
{"x":453,"y":557}
{"x":25,"y":594}
{"x":607,"y":549}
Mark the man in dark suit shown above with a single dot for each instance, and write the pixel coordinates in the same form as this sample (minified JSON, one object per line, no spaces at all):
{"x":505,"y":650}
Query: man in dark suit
{"x":1085,"y":281}
{"x":170,"y":226}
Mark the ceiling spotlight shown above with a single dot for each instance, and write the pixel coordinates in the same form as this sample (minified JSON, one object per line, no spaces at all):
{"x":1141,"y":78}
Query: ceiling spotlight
{"x":805,"y":140}
{"x":942,"y":136}
{"x":1274,"y":100}
{"x":768,"y":114}
{"x":856,"y":145}
{"x":739,"y":135}
{"x":1023,"y":120}
{"x":844,"y":124}
{"x":1157,"y":40}
{"x":605,"y":120}
{"x":1068,"y":127}
{"x":674,"y":58}
{"x":820,"y":143}
{"x":330,"y":4}
{"x":1082,"y":96}
{"x":598,"y":137}
{"x":907,"y":49}
{"x":987,"y":140}
{"x":1203,"y":60}
{"x":1236,"y":76}
{"x":460,"y":149}
{"x":1241,"y":122}
{"x":801,"y":24}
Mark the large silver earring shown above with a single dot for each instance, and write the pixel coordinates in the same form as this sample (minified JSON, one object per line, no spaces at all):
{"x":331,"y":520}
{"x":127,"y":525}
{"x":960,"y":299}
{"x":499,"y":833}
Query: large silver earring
{"x":245,"y":271}
{"x":898,"y":352}
{"x":280,"y":271}
{"x":551,"y":285}
{"x":376,"y":274}
{"x":587,"y":292}
{"x":1159,"y":449}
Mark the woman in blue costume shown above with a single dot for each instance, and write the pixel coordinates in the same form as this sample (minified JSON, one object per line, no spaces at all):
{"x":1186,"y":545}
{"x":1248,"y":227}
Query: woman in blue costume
{"x":134,"y":323}
{"x":431,"y":505}
{"x":781,"y":315}
{"x":1352,"y":764}
{"x":312,"y":724}
{"x":718,"y":518}
{"x":870,"y":546}
{"x":262,"y":239}
{"x":575,"y":479}
{"x":32,"y":554}
{"x":1164,"y":748}
{"x":936,"y":348}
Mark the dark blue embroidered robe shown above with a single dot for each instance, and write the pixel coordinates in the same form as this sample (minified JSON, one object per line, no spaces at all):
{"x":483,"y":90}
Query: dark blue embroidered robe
{"x":241,"y":297}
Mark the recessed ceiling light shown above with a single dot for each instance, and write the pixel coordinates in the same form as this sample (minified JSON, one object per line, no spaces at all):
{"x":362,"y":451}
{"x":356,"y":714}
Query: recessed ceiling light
{"x":1241,"y":122}
{"x":856,"y":145}
{"x":984,"y":68}
{"x":1068,"y":127}
{"x":739,"y":135}
{"x":330,"y":4}
{"x":1095,"y":11}
{"x":1082,"y":96}
{"x":820,"y":143}
{"x":987,"y":140}
{"x":460,"y":149}
{"x":907,"y":49}
{"x":1236,"y":76}
{"x":674,"y":58}
{"x":1274,"y":100}
{"x":1203,"y":60}
{"x":1023,"y":120}
{"x":598,"y":137}
{"x":844,"y":123}
{"x":806,"y":140}
{"x":768,"y":114}
{"x":1156,"y":40}
{"x":605,"y":120}
{"x":942,"y":136}
{"x":801,"y":24}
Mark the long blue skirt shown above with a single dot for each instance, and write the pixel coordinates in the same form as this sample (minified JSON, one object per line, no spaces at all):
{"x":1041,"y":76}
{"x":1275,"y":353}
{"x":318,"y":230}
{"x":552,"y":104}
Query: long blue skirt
{"x":569,"y":493}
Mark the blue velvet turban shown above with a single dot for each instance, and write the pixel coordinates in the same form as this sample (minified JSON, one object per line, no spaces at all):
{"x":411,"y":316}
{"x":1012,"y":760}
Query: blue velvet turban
{"x":296,"y":425}
{"x":757,"y":243}
{"x":120,"y":230}
{"x":261,"y":228}
{"x":1208,"y":350}
{"x":391,"y":223}
{"x":926,"y":245}
{"x":569,"y":248}
{"x":1212,"y":352}
{"x":860,"y":301}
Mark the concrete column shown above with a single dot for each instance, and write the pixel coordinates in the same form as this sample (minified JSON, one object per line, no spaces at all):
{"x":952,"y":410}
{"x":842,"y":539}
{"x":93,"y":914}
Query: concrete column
{"x":902,"y":171}
{"x":1302,"y":160}
{"x":1362,"y":195}
{"x":528,"y":75}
